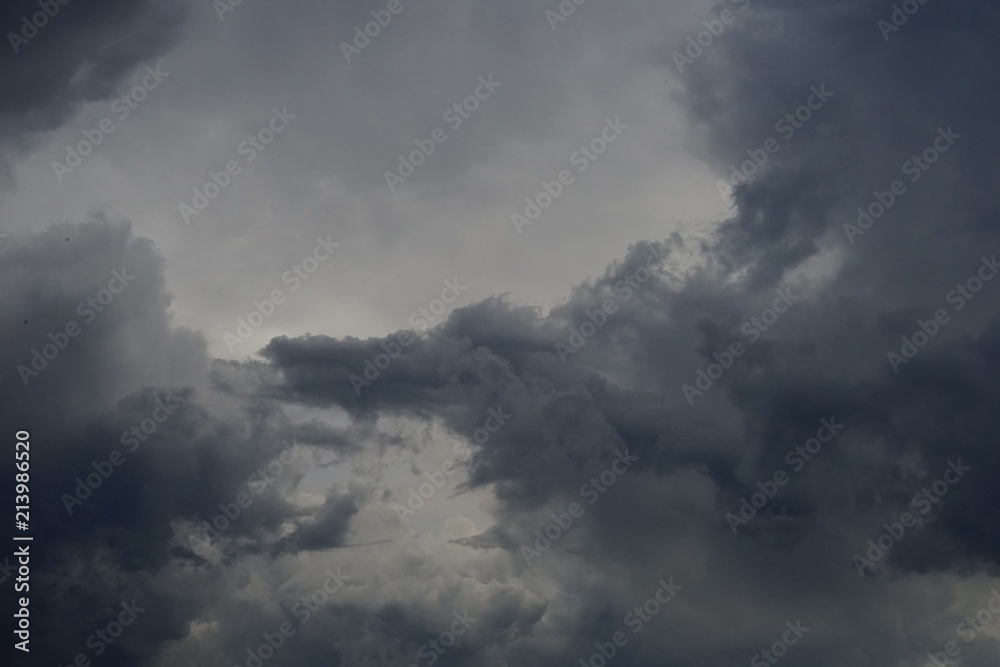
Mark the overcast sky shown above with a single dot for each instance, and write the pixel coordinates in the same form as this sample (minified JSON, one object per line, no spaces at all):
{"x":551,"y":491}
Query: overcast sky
{"x":416,"y":332}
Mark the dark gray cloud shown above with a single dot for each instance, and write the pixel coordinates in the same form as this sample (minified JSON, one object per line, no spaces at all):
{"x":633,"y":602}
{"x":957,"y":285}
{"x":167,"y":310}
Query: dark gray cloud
{"x":57,"y":56}
{"x":598,"y":412}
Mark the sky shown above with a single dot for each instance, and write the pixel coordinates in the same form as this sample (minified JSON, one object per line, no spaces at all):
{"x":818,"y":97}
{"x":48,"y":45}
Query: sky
{"x":579,"y":332}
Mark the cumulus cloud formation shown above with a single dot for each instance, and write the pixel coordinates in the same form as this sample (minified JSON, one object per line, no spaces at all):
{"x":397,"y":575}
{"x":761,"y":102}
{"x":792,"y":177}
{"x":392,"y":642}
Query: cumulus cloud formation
{"x":763,"y":438}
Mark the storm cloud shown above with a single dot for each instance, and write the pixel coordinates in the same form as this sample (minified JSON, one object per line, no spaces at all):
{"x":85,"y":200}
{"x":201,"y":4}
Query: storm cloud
{"x":744,"y":436}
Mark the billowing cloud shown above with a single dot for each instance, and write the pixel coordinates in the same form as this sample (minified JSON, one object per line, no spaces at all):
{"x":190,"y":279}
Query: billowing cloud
{"x":769,"y":436}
